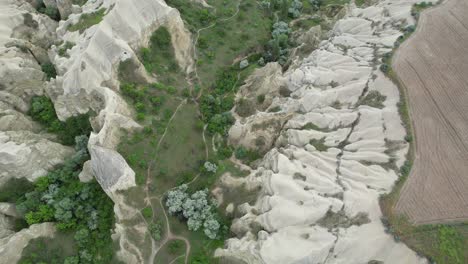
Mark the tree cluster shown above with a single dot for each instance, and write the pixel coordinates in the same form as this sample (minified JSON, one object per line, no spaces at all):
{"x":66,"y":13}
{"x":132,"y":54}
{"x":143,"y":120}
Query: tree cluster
{"x":277,"y":49}
{"x":215,"y":107}
{"x":294,"y":10}
{"x":195,"y":208}
{"x":81,"y":207}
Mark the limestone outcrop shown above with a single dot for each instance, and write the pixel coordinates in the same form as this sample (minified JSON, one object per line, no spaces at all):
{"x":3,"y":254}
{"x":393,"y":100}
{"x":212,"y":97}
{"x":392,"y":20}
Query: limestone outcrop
{"x":25,"y":35}
{"x":12,"y":245}
{"x":27,"y":155}
{"x":338,"y":151}
{"x":88,"y":81}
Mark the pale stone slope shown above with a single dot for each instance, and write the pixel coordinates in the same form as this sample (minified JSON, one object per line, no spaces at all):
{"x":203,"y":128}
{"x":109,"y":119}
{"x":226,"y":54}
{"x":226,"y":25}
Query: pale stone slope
{"x":322,"y":206}
{"x":23,"y":153}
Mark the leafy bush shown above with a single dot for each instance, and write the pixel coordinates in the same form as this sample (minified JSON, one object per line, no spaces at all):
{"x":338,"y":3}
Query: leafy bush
{"x":247,"y":155}
{"x":62,"y":51}
{"x":42,"y":110}
{"x":195,"y":15}
{"x":147,"y":212}
{"x":49,"y":69}
{"x":195,"y":208}
{"x":155,"y":230}
{"x":13,"y":189}
{"x":159,"y":56}
{"x":49,"y":11}
{"x":373,"y":99}
{"x":277,"y":49}
{"x":88,"y":20}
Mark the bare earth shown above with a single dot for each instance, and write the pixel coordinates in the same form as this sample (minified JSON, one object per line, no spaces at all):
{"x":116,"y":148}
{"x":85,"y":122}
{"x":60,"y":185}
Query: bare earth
{"x":433,"y":65}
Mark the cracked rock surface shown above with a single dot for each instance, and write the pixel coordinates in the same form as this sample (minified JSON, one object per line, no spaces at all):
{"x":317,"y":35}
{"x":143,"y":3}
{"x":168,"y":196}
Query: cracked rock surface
{"x":337,"y":153}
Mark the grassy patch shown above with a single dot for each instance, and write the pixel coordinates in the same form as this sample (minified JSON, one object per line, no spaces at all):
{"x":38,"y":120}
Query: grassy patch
{"x":42,"y":110}
{"x":194,"y":14}
{"x":312,"y":126}
{"x":373,"y":99}
{"x":62,"y":51}
{"x":13,"y":189}
{"x":171,"y":250}
{"x":319,"y":144}
{"x":202,"y":247}
{"x":49,"y":250}
{"x":244,"y":34}
{"x":49,"y":70}
{"x":88,"y":20}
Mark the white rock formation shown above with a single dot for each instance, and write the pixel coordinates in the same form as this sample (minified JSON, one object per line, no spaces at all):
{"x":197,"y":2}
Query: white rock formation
{"x":334,"y":157}
{"x":87,"y":80}
{"x":27,"y":155}
{"x":23,"y":153}
{"x":12,"y":245}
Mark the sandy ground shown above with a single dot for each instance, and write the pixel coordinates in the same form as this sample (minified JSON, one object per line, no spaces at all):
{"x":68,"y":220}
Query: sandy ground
{"x":433,"y":65}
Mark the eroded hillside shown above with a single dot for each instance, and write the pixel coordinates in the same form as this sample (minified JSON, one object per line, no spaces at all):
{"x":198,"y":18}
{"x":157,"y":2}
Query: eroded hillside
{"x":222,"y":131}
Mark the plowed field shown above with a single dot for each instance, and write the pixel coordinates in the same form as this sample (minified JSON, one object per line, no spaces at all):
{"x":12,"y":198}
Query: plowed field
{"x":433,"y":66}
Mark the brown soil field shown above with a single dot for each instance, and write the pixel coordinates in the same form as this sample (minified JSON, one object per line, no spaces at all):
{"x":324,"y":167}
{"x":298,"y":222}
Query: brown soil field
{"x":433,"y":66}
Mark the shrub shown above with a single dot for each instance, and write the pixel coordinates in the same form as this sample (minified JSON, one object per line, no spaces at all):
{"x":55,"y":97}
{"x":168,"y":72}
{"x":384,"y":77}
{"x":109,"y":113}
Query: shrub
{"x":42,"y":110}
{"x":155,"y":230}
{"x":79,"y":207}
{"x":210,"y":167}
{"x":147,"y":212}
{"x":247,"y":155}
{"x":195,"y":208}
{"x":175,"y":246}
{"x":62,"y":51}
{"x":244,"y":64}
{"x":50,"y":11}
{"x":49,"y":69}
{"x":261,"y":99}
{"x":88,"y":20}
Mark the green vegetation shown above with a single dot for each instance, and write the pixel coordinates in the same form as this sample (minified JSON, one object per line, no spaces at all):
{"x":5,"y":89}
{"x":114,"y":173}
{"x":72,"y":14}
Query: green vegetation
{"x":373,"y":99}
{"x":196,"y":208}
{"x":246,"y":155}
{"x":42,"y":110}
{"x":171,"y":250}
{"x":49,"y":69}
{"x":14,"y":189}
{"x":155,"y":230}
{"x":319,"y":144}
{"x":419,"y":7}
{"x":312,"y":126}
{"x":59,"y":249}
{"x":88,"y":20}
{"x":194,"y":14}
{"x":159,"y":58}
{"x":82,"y":208}
{"x":231,"y":37}
{"x":62,"y":51}
{"x":147,"y":212}
{"x":79,"y":2}
{"x":186,"y":123}
{"x":50,"y":11}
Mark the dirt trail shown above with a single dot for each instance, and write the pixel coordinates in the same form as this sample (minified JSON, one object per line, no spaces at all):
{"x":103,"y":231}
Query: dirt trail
{"x":433,"y":66}
{"x":169,"y":235}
